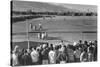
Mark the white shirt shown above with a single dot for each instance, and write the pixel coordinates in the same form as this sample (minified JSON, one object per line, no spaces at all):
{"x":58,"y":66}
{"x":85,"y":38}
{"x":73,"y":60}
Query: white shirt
{"x":77,"y":53}
{"x":15,"y":59}
{"x":34,"y":56}
{"x":52,"y":56}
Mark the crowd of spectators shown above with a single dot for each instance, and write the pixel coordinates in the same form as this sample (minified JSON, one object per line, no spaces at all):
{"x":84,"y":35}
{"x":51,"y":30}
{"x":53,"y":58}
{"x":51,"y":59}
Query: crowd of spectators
{"x":55,"y":54}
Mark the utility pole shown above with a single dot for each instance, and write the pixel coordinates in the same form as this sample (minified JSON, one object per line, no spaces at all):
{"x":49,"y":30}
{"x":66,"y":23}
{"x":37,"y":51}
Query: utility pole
{"x":27,"y":32}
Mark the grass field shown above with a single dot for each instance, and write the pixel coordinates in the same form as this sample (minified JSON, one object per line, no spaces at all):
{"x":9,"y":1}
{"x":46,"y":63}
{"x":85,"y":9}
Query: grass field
{"x":67,"y":28}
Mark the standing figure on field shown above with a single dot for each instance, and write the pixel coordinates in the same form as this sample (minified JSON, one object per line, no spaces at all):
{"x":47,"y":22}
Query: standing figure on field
{"x":40,"y":26}
{"x":31,"y":26}
{"x":34,"y":28}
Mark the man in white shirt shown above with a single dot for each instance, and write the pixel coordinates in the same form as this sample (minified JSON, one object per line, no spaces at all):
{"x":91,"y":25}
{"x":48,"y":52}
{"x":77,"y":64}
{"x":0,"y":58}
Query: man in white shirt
{"x":52,"y":56}
{"x":34,"y":56}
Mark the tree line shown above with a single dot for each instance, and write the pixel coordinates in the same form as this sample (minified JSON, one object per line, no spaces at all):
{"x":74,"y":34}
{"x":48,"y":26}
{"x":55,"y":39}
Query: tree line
{"x":68,"y":13}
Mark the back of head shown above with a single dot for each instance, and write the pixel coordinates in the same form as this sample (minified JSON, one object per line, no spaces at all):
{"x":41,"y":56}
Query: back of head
{"x":80,"y":41}
{"x":85,"y":42}
{"x":33,"y":48}
{"x":25,"y":51}
{"x":51,"y":45}
{"x":85,"y":50}
{"x":51,"y":48}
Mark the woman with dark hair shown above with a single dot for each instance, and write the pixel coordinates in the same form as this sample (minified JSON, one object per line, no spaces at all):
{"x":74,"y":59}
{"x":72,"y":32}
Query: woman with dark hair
{"x":57,"y":52}
{"x":71,"y":56}
{"x":77,"y":53}
{"x":44,"y":54}
{"x":62,"y":56}
{"x":90,"y":53}
{"x":40,"y":55}
{"x":25,"y":58}
{"x":20,"y":56}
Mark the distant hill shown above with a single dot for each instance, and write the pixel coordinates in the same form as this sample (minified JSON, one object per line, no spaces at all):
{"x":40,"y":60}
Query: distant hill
{"x":39,"y":7}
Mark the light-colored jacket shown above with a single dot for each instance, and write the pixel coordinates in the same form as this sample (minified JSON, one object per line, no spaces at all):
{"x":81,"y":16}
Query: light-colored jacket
{"x":34,"y":56}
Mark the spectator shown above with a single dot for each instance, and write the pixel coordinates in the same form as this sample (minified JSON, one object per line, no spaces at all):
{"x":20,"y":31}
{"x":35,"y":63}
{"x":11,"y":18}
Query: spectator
{"x":71,"y":56}
{"x":95,"y":51}
{"x":77,"y":53}
{"x":15,"y":56}
{"x":45,"y":54}
{"x":90,"y":53}
{"x":62,"y":55}
{"x":84,"y":56}
{"x":34,"y":56}
{"x":52,"y":56}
